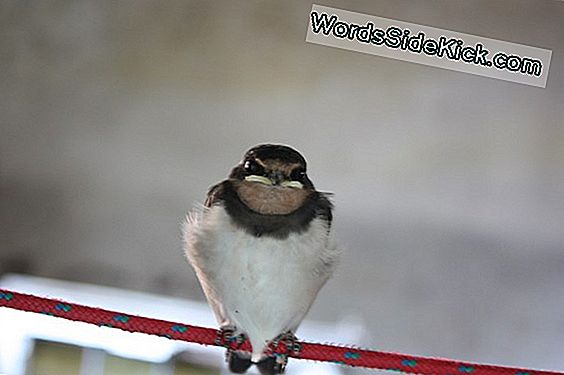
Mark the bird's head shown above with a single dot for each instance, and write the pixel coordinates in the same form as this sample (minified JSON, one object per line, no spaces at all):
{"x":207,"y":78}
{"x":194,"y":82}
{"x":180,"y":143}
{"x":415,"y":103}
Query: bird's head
{"x":272,"y":179}
{"x":273,"y":165}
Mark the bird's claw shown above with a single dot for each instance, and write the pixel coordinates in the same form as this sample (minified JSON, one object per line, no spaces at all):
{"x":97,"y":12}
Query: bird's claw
{"x":229,"y":338}
{"x":282,"y":347}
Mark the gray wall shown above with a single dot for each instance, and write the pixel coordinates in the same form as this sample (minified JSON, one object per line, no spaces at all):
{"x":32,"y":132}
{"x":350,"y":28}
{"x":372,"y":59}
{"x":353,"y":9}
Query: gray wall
{"x":449,"y":187}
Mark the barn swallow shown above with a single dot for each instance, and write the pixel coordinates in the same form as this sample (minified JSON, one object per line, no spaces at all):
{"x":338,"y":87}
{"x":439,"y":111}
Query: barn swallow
{"x":261,"y":247}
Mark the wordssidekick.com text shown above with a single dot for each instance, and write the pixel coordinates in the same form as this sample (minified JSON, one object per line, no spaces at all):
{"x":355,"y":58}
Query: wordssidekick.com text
{"x":397,"y":38}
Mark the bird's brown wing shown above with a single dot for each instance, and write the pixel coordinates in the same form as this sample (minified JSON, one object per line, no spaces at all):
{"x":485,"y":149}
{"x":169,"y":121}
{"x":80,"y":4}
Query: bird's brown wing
{"x":215,"y":194}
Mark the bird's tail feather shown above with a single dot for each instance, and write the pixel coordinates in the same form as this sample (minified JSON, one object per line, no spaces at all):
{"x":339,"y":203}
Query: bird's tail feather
{"x":239,"y":363}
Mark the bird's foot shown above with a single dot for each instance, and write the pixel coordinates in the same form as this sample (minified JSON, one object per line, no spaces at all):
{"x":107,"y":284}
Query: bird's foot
{"x":278,"y":351}
{"x":228,"y":337}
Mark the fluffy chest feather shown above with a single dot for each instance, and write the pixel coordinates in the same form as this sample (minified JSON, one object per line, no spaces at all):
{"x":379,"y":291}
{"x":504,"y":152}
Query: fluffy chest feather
{"x":262,"y":285}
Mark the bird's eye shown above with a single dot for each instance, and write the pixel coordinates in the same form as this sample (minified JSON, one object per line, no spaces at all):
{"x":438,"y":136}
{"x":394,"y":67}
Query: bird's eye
{"x":252,"y":167}
{"x":298,"y":174}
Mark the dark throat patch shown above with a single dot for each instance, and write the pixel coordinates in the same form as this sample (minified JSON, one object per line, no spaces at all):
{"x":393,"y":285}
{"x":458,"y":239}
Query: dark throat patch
{"x":296,"y":220}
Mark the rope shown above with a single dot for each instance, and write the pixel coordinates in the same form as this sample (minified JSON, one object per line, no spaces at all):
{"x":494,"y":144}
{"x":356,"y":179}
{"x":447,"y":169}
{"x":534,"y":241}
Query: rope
{"x":206,"y":336}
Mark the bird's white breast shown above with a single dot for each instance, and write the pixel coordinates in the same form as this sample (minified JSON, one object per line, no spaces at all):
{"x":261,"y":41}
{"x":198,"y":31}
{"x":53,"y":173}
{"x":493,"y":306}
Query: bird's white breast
{"x":262,"y":285}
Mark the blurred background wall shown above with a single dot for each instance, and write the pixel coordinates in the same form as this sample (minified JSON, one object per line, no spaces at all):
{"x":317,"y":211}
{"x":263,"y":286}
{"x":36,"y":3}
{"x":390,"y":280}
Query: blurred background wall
{"x":449,"y":187}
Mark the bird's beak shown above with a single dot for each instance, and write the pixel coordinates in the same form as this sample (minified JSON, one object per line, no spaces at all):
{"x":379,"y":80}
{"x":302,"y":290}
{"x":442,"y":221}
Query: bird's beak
{"x":259,"y":179}
{"x":276,"y":177}
{"x":292,"y":184}
{"x":274,"y":180}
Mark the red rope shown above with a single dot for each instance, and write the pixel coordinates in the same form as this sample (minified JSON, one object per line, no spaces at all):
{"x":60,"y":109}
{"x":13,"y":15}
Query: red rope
{"x":319,"y":352}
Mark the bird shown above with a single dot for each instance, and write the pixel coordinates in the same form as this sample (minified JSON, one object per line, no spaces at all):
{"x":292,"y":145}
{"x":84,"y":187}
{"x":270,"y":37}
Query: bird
{"x":262,"y":247}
